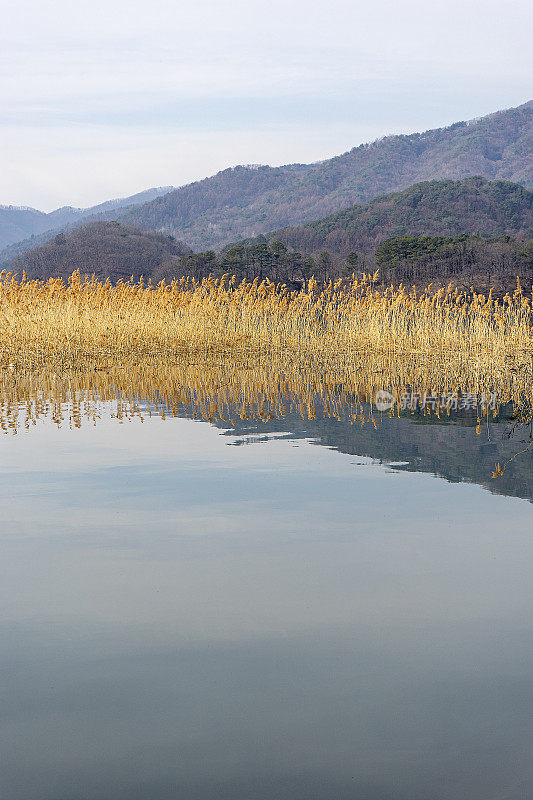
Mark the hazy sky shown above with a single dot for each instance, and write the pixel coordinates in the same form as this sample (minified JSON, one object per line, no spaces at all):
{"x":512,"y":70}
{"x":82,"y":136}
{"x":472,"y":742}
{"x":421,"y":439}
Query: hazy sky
{"x":103,"y":99}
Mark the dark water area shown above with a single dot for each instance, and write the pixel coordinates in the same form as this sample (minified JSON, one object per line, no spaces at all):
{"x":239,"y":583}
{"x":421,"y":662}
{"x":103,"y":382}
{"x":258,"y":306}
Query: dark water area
{"x":268,"y":610}
{"x":452,"y":448}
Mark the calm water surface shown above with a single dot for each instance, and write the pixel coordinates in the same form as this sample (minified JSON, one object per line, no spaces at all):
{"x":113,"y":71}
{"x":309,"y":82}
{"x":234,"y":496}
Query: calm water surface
{"x":186,"y":618}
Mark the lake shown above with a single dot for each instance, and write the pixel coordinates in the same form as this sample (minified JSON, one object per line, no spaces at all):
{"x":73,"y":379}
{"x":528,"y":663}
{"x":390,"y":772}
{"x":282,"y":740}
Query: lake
{"x":278,"y":608}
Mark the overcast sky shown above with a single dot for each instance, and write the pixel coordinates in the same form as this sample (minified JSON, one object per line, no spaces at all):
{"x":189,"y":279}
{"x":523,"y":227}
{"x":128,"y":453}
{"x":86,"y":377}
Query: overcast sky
{"x":103,"y":99}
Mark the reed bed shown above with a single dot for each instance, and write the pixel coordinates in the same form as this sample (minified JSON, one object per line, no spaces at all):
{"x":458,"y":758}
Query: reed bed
{"x":83,"y":321}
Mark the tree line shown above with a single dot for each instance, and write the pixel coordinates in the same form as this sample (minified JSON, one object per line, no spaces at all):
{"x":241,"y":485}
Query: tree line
{"x":271,"y":260}
{"x":401,"y":259}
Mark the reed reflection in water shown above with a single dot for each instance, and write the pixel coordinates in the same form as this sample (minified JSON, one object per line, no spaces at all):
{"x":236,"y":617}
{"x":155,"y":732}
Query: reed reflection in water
{"x":199,"y":600}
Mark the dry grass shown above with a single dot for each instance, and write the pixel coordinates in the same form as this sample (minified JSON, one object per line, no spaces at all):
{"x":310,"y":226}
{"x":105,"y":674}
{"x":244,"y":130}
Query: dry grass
{"x":333,"y":325}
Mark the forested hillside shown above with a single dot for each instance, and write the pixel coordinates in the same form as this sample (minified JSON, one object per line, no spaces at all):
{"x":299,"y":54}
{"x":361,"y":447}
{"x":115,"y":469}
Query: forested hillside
{"x":443,"y":208}
{"x":107,"y":249}
{"x":470,"y":231}
{"x":244,"y":202}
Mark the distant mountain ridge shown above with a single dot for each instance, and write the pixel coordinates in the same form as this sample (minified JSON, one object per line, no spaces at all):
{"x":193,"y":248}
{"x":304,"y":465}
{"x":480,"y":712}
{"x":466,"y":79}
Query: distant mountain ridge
{"x":474,"y":208}
{"x":243,"y":202}
{"x":18,"y":223}
{"x":246,"y":201}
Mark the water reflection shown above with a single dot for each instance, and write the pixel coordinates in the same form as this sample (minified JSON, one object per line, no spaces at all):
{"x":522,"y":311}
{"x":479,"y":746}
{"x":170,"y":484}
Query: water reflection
{"x":187,"y":615}
{"x":462,"y":432}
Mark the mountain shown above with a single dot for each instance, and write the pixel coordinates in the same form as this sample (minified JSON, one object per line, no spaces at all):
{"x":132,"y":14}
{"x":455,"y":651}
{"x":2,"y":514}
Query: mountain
{"x":469,"y":231}
{"x":108,"y":249}
{"x":435,"y":208}
{"x":68,"y":214}
{"x":19,"y":223}
{"x":245,"y":201}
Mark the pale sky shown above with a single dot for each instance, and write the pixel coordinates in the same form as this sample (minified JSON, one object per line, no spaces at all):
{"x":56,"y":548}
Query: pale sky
{"x":104,"y":99}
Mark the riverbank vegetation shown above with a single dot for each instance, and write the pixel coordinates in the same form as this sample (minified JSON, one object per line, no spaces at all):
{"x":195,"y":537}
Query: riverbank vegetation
{"x":332,"y":323}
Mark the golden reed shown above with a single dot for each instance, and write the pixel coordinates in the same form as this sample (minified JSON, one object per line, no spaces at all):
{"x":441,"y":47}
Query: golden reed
{"x":66,"y":325}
